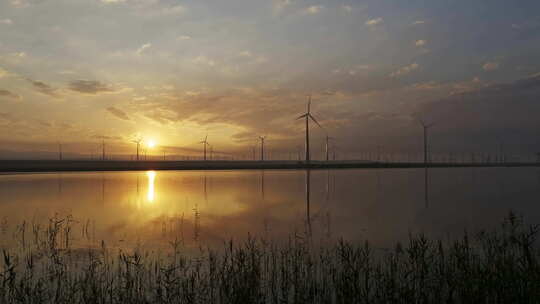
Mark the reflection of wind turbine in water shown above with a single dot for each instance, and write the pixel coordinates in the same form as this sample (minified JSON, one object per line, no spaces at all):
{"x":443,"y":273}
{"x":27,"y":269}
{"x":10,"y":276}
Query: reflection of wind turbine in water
{"x":102,"y":188}
{"x":151,"y":179}
{"x":59,"y":180}
{"x":318,"y":215}
{"x":308,"y":190}
{"x":205,"y":189}
{"x":308,"y":116}
{"x":426,"y":187}
{"x":262,"y":184}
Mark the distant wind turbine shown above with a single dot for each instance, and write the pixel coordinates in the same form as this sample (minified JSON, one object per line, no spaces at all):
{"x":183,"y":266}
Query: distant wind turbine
{"x":103,"y":149}
{"x":205,"y":143}
{"x":307,"y":116}
{"x":328,"y":138}
{"x":60,"y":151}
{"x":426,"y":128}
{"x":262,"y":138}
{"x":138,"y":141}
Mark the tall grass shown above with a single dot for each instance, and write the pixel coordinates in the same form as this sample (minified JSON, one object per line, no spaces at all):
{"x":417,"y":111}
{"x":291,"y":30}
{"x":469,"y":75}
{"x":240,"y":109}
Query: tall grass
{"x":499,"y":266}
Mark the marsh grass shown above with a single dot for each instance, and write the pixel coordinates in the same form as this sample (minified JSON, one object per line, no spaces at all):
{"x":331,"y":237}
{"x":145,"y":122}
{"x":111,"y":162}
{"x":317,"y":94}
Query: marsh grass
{"x":499,"y":266}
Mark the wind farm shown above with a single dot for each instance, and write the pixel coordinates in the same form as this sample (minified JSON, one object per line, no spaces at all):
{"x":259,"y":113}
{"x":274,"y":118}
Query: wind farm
{"x":209,"y":159}
{"x":278,"y":151}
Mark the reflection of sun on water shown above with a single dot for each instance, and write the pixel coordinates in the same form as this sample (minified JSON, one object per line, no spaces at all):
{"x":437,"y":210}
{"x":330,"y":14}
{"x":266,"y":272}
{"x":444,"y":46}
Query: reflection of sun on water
{"x":151,"y":177}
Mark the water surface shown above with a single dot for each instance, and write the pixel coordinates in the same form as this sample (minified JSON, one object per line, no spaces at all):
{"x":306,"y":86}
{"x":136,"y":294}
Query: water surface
{"x":152,"y":208}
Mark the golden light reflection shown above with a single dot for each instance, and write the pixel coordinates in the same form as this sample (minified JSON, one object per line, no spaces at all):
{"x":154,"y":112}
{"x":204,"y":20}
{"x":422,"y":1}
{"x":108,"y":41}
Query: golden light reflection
{"x":151,"y":178}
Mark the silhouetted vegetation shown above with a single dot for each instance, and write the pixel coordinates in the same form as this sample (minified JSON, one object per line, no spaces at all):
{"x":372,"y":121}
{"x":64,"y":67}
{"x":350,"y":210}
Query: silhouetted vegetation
{"x":499,"y":266}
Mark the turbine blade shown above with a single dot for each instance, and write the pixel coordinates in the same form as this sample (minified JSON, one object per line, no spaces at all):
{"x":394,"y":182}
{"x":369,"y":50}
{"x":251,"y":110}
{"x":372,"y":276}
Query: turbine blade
{"x":313,"y":118}
{"x":302,"y":116}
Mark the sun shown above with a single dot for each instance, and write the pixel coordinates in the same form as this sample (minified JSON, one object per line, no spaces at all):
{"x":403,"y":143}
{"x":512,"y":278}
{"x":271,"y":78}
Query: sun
{"x":151,"y":143}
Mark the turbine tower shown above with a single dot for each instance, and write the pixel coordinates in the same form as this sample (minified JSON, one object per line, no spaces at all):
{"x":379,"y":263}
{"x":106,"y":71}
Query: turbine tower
{"x":103,"y":149}
{"x":328,"y":138}
{"x":426,"y":128}
{"x":205,"y":143}
{"x":307,"y":116}
{"x":138,"y":141}
{"x":60,"y":151}
{"x":262,"y":138}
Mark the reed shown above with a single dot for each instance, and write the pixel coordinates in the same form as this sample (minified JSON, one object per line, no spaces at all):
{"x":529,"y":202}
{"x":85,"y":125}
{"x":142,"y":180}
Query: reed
{"x":499,"y":266}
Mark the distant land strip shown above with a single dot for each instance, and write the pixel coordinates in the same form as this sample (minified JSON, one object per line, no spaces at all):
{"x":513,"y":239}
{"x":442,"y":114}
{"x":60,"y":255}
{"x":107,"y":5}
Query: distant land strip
{"x":7,"y":166}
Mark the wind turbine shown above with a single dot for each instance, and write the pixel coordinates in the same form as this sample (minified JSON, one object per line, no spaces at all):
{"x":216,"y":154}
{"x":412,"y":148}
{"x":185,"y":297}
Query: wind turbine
{"x":138,"y":141}
{"x":103,"y":149}
{"x":205,"y":143}
{"x":328,"y":138}
{"x":307,"y":116}
{"x":262,"y":138}
{"x":426,"y":128}
{"x":60,"y":151}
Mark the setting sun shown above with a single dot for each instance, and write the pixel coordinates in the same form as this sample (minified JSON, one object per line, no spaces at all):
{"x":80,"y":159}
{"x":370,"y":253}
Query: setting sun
{"x":151,"y":143}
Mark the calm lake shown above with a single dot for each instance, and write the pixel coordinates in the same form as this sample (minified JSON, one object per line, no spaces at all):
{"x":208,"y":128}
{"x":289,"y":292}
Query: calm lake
{"x":150,"y":209}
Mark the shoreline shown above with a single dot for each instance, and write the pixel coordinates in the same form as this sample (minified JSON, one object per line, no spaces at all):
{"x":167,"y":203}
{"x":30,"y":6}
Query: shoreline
{"x":21,"y":166}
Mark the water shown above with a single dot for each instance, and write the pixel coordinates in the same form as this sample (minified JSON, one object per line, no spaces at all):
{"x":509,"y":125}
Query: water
{"x":149,"y":209}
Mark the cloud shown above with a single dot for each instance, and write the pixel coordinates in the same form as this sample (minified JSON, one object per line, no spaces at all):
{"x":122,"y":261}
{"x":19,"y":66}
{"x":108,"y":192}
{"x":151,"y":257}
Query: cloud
{"x":8,"y":94}
{"x":347,"y":8}
{"x":430,"y":85}
{"x":20,"y":3}
{"x":143,"y":48}
{"x":490,"y":66}
{"x":492,"y":109}
{"x":246,"y":54}
{"x":374,"y":22}
{"x":420,"y":43}
{"x":91,"y":87}
{"x":118,"y":113}
{"x":203,"y":60}
{"x":112,"y":1}
{"x":173,"y":10}
{"x":418,"y":22}
{"x":281,"y":4}
{"x":3,"y":73}
{"x":44,"y":88}
{"x":184,"y":37}
{"x":314,"y":9}
{"x":405,"y":70}
{"x":19,"y":54}
{"x":6,"y":21}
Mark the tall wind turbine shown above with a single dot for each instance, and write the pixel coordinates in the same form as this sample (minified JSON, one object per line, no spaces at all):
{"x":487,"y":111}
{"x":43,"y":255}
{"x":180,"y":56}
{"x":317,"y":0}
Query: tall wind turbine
{"x":426,"y":128}
{"x":138,"y":141}
{"x":205,"y":143}
{"x":262,"y":138}
{"x":328,"y":138}
{"x":307,"y":116}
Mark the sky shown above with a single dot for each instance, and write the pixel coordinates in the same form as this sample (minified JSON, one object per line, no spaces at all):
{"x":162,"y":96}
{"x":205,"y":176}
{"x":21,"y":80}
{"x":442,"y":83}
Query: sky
{"x":82,"y":71}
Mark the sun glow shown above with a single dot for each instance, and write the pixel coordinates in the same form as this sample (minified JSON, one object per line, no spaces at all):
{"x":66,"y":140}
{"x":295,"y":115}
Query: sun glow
{"x":151,"y":143}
